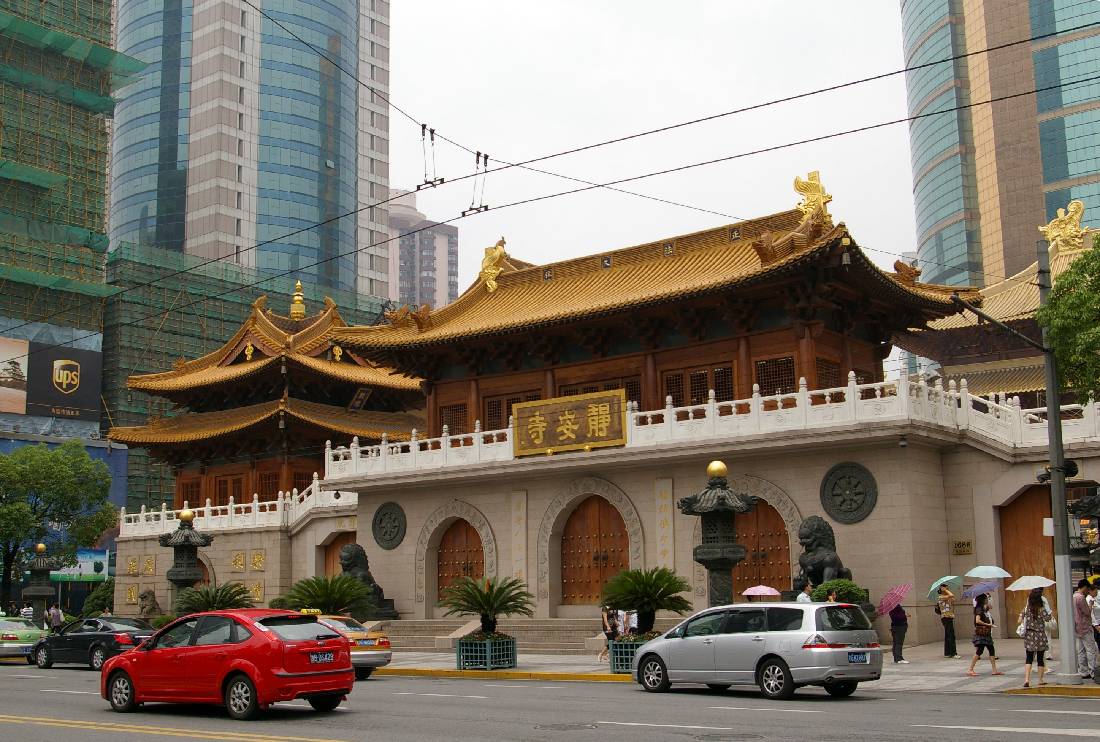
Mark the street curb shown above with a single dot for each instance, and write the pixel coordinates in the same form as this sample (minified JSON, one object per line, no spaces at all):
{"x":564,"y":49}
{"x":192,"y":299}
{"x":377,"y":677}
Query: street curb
{"x":425,"y":672}
{"x":1091,"y":690}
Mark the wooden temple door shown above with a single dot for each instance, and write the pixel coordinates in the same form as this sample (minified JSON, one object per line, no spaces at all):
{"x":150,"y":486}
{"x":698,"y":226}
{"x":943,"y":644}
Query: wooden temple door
{"x":594,"y":548}
{"x":332,"y":553}
{"x":768,"y":550}
{"x":460,"y":555}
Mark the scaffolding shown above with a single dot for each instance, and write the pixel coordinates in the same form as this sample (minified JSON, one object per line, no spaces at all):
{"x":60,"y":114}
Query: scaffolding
{"x":88,"y":19}
{"x":194,"y":307}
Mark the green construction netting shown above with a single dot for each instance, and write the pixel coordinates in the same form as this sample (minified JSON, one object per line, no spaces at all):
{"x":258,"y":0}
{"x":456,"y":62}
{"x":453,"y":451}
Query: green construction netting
{"x":49,"y":232}
{"x":59,"y":283}
{"x":63,"y":92}
{"x":33,"y":34}
{"x":13,"y":170}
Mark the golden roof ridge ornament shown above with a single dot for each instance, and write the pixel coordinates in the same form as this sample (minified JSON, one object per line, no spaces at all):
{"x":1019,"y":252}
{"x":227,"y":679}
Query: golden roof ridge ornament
{"x":1064,"y":233}
{"x":298,"y":302}
{"x":814,"y":199}
{"x":491,"y":265}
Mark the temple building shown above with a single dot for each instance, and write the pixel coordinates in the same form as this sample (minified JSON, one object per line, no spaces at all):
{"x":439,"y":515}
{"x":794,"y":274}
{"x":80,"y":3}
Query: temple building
{"x":568,"y":407}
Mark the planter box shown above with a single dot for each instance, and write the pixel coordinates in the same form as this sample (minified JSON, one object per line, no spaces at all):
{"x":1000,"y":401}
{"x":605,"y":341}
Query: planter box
{"x":621,"y":655}
{"x":495,"y":654}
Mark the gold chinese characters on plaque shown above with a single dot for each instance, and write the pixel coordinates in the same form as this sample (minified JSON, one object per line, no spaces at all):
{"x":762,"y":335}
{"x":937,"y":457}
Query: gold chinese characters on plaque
{"x":236,"y":562}
{"x":149,"y":565}
{"x":132,"y":565}
{"x":257,"y":560}
{"x":132,"y":594}
{"x":583,"y":421}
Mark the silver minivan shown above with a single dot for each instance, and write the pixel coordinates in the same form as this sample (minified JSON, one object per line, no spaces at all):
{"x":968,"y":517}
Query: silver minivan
{"x":777,"y":646}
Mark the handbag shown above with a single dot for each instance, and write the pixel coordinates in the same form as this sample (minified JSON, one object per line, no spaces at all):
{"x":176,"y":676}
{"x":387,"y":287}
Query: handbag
{"x":1021,"y":629}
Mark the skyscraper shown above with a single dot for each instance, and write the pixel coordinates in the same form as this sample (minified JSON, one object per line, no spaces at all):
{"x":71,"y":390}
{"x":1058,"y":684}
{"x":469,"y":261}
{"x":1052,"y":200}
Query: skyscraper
{"x":240,"y":133}
{"x":427,"y":257}
{"x":984,"y":178}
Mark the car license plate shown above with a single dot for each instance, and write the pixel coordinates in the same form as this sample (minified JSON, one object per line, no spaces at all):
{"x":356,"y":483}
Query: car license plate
{"x":27,"y":650}
{"x":319,"y":658}
{"x":857,"y":658}
{"x":366,"y":642}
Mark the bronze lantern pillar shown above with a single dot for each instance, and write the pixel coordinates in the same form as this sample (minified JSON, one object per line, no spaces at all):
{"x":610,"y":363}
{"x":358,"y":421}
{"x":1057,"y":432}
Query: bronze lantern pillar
{"x":185,"y":542}
{"x":40,"y":590}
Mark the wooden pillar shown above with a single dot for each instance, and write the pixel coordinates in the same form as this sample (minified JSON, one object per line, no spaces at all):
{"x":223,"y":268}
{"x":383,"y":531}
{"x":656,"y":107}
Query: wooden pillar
{"x":286,"y":481}
{"x":431,"y":415}
{"x":744,"y":372}
{"x":549,"y":388}
{"x":651,"y":385}
{"x":473,"y":406}
{"x":846,"y":357}
{"x":807,"y":357}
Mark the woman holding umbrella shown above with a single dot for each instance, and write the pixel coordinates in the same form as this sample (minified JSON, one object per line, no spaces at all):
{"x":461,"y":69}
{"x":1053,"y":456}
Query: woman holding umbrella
{"x":1034,"y":619}
{"x":983,"y":635}
{"x":945,"y":606}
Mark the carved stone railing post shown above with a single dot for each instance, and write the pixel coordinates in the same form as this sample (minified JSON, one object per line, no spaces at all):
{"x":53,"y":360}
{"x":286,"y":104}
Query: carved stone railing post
{"x":852,"y":397}
{"x":414,"y":449}
{"x":754,"y":409}
{"x":328,"y":458}
{"x":965,"y":406}
{"x":803,"y":401}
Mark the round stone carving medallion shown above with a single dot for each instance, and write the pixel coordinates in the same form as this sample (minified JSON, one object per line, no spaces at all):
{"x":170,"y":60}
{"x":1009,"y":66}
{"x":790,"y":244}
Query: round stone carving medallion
{"x":848,"y":493}
{"x":389,"y":525}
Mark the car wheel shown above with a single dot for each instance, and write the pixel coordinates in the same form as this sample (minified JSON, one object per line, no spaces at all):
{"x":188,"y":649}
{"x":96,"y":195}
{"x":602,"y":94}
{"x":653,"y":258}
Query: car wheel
{"x":842,"y":689}
{"x":362,"y":673}
{"x":43,"y":657}
{"x":652,"y":674}
{"x":718,"y":686}
{"x":240,"y":698}
{"x":326,"y":702}
{"x":120,"y":692}
{"x":97,"y":658}
{"x":775,"y":679}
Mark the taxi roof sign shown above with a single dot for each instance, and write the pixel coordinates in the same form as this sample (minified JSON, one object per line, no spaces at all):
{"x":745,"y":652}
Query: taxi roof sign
{"x":311,"y":611}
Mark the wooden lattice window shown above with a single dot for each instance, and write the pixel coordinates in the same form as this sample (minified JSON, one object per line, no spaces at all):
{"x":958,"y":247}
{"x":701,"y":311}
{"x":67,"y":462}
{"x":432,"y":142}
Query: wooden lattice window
{"x":499,"y":409}
{"x":190,"y":492}
{"x":674,"y":387}
{"x":828,"y":374}
{"x":631,"y":384}
{"x":226,"y":487}
{"x":863,"y":377}
{"x":267,"y":485}
{"x":302,"y":480}
{"x":453,"y":416}
{"x":693,"y":386}
{"x":775,"y":375}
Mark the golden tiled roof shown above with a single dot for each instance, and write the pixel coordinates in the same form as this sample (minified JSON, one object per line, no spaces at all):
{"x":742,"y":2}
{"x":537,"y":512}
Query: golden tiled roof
{"x":272,"y":337}
{"x":1009,"y":377}
{"x":193,"y":427}
{"x":650,"y":274}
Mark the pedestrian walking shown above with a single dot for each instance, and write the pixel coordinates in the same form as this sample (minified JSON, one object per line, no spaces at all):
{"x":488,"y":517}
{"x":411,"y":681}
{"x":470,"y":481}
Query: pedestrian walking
{"x":628,"y":622}
{"x":1034,"y":619}
{"x":899,"y":624}
{"x":28,"y":611}
{"x":1082,"y":628}
{"x":945,"y":608}
{"x":804,"y":596}
{"x":1094,"y":606}
{"x":55,"y":619}
{"x":983,"y":635}
{"x":610,"y":630}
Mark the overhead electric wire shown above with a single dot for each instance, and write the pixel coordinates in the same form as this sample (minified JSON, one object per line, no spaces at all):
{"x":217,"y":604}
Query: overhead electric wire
{"x":546,"y":197}
{"x":524,"y":164}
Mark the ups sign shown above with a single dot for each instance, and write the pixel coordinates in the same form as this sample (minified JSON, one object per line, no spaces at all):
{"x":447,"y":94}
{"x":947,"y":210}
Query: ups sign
{"x":63,"y":381}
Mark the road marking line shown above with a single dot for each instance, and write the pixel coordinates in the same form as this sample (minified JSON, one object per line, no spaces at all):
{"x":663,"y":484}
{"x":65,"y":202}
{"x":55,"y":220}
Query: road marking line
{"x":1019,"y":730}
{"x":664,"y":726}
{"x":1051,"y":711}
{"x":438,"y":695}
{"x":78,"y":692}
{"x":773,"y":708}
{"x":92,"y":726}
{"x":36,"y":677}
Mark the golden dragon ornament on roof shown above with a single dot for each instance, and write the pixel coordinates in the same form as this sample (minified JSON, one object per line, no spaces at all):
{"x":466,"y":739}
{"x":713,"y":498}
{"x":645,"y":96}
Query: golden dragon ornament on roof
{"x":814,"y":199}
{"x":1064,"y":232}
{"x":491,"y":265}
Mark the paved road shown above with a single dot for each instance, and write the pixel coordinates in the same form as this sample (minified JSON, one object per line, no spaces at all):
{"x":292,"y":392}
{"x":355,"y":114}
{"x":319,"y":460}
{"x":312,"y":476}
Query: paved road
{"x":63,"y":704}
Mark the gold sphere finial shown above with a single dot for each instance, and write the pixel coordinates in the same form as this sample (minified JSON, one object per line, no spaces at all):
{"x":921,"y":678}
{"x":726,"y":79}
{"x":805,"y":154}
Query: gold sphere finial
{"x":298,"y":302}
{"x":716,"y":469}
{"x":40,"y":549}
{"x":186,"y":515}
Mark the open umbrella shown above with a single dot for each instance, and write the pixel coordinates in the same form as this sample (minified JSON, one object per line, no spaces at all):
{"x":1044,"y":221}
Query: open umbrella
{"x":988,"y":572}
{"x":893,"y":598}
{"x":761,"y":590}
{"x":986,"y":586}
{"x":952,"y":581}
{"x":1030,"y":582}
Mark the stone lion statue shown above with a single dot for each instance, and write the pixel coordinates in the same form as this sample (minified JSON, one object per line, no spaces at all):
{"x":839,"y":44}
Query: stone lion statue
{"x":148,"y":607}
{"x":354,"y":562}
{"x":819,"y":561}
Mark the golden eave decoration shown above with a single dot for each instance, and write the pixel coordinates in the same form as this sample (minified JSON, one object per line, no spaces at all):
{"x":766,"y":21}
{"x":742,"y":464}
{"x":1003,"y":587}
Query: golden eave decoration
{"x":814,"y":203}
{"x":492,"y":265}
{"x":298,"y":303}
{"x":1064,"y":233}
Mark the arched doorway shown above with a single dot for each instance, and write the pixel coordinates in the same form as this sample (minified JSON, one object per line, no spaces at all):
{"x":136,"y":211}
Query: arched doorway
{"x":460,"y":555}
{"x":205,"y":579}
{"x":768,"y":550}
{"x":594,"y":547}
{"x":332,"y":552}
{"x":1024,"y":548}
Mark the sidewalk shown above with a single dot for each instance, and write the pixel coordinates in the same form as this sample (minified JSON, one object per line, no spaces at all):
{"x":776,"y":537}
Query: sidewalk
{"x":929,"y":669}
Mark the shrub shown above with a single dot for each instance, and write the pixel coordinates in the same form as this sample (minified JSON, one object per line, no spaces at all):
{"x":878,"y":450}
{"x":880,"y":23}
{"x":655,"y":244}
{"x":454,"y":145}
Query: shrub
{"x":846,"y":592}
{"x":159,"y":622}
{"x":488,"y":599}
{"x":647,"y":591}
{"x":102,"y":599}
{"x":211,"y":598}
{"x":340,"y":594}
{"x":279,"y":602}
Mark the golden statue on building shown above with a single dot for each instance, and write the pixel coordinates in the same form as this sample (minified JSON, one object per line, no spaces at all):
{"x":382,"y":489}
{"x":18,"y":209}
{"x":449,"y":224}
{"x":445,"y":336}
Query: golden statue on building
{"x":298,"y":302}
{"x":491,"y":265}
{"x":814,"y":199}
{"x":1064,"y":232}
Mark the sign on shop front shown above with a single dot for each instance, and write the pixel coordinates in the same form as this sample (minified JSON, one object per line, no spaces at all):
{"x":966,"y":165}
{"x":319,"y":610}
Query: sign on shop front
{"x":582,"y":421}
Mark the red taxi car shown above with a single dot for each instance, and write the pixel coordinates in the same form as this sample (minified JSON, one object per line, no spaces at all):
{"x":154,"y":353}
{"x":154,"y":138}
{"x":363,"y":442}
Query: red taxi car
{"x":246,"y":659}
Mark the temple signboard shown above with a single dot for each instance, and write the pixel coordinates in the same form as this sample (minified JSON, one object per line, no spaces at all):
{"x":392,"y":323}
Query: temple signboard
{"x":582,"y":421}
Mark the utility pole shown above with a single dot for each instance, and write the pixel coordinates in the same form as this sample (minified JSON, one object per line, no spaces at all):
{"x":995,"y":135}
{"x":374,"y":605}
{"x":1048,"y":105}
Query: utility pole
{"x":1063,"y":586}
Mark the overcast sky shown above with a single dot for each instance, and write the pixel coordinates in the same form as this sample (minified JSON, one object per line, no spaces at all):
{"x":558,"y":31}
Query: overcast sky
{"x":522,"y":79}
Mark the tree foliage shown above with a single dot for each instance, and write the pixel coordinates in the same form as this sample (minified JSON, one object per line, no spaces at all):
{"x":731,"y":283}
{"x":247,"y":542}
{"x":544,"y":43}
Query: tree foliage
{"x":1072,"y":321}
{"x":338,"y":595}
{"x":53,"y":495}
{"x":102,"y":599}
{"x":213,"y":598}
{"x":488,"y":598}
{"x":647,"y":591}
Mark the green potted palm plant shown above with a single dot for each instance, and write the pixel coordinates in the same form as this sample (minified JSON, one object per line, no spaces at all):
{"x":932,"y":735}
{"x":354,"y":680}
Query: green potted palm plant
{"x":213,"y":598}
{"x":337,"y":595}
{"x":487,"y":598}
{"x":644,"y":592}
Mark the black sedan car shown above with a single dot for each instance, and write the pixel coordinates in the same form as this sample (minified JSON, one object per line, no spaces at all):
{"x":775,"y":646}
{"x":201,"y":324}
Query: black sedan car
{"x":91,"y":641}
